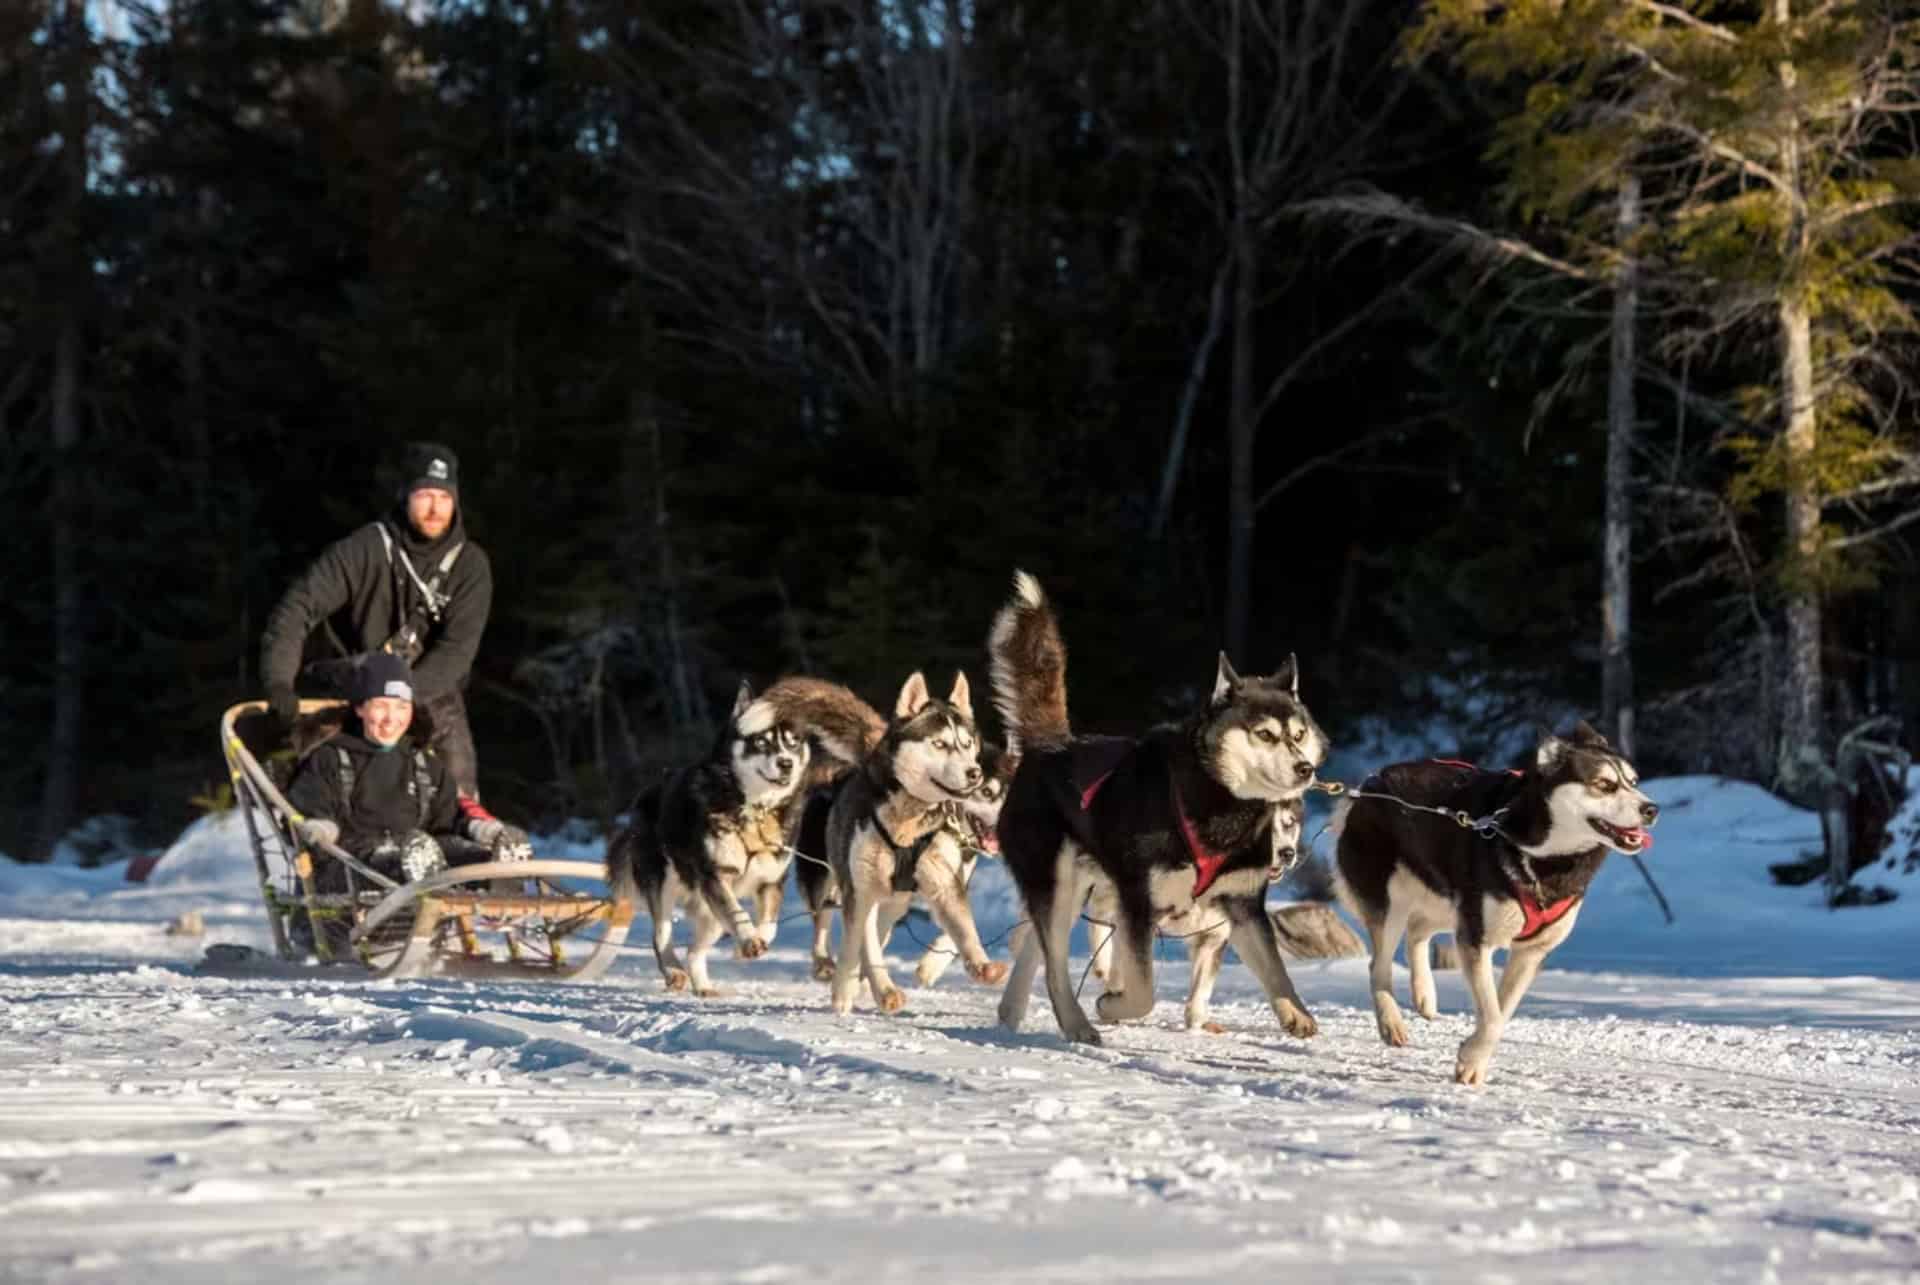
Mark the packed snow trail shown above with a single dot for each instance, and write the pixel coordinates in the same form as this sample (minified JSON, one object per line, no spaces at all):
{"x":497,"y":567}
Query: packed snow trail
{"x":163,"y":1126}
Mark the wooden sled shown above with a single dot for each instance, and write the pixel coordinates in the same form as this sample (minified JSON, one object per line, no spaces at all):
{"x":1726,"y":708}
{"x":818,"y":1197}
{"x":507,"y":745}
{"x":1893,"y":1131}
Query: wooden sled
{"x":487,"y":919}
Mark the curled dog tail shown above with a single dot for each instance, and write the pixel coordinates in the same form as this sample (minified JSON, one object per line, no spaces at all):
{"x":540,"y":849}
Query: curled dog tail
{"x":847,"y":727}
{"x":1029,"y":667}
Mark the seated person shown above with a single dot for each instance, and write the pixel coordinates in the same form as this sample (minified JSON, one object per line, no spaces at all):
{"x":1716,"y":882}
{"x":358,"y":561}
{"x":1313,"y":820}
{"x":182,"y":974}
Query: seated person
{"x":370,"y":790}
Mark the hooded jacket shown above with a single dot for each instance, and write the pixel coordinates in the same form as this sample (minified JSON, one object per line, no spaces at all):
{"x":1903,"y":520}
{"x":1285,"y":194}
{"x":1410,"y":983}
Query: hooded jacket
{"x":367,"y":597}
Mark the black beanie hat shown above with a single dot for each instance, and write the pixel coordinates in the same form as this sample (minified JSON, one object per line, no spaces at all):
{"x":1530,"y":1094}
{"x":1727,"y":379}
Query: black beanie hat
{"x":381,"y":673}
{"x":429,"y":465}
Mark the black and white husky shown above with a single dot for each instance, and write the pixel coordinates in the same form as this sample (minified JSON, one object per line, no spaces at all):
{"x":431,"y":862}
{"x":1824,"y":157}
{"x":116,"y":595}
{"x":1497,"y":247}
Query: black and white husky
{"x":972,"y":821}
{"x":889,"y":839}
{"x":1176,"y":823}
{"x":1205,"y":929}
{"x":1515,"y":884}
{"x":719,"y":833}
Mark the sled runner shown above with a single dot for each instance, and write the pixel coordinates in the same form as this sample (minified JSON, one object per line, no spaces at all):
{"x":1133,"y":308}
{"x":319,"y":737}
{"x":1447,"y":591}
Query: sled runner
{"x":442,"y":925}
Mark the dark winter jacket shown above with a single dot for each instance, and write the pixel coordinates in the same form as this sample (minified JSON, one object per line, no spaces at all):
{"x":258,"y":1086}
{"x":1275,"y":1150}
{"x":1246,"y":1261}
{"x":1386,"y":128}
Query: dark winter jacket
{"x":368,"y":598}
{"x":385,"y":798}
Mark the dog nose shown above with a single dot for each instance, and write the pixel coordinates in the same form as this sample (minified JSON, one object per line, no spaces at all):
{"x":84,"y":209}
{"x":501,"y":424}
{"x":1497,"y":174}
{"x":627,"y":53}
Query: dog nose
{"x":973,"y":774}
{"x":1302,"y":768}
{"x":1648,"y":812}
{"x":1286,"y":854}
{"x":784,"y":763}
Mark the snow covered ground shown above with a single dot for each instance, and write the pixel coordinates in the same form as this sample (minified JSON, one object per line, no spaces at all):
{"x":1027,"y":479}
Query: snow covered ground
{"x":1733,"y":1098}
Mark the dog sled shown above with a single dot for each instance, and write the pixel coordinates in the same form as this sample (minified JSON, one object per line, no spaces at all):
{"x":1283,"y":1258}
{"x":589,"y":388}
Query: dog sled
{"x":487,"y":919}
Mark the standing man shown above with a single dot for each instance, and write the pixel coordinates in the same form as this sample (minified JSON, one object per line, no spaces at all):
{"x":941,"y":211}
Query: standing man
{"x":411,"y":584}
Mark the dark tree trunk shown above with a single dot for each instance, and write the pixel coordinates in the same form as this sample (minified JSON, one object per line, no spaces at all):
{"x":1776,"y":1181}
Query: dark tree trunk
{"x":60,"y":788}
{"x":1616,"y":629}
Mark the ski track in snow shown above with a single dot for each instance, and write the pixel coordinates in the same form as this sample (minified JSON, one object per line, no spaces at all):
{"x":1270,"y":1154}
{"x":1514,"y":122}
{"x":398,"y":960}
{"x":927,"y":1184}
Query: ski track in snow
{"x":161,"y":1125}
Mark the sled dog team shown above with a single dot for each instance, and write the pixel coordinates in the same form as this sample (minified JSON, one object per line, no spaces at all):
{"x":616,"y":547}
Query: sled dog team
{"x":1177,"y":831}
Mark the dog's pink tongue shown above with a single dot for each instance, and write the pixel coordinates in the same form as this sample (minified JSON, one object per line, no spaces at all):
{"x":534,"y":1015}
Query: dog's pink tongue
{"x":1643,"y":839}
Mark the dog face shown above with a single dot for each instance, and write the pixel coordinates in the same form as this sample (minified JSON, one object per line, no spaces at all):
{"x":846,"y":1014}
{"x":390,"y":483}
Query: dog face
{"x":769,"y":757}
{"x":1286,"y":839}
{"x":982,"y":807}
{"x":932,"y":746}
{"x":1260,"y":741}
{"x":1591,"y":791}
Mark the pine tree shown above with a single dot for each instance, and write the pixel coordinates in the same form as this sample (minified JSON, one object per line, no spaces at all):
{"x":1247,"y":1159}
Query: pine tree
{"x":1773,"y":184}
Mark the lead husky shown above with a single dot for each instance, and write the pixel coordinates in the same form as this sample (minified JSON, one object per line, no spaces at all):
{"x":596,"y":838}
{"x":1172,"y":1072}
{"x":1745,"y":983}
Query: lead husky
{"x":1176,"y":822}
{"x":971,"y":821}
{"x":719,"y":832}
{"x":1205,"y":930}
{"x":888,"y":840}
{"x":1516,"y":885}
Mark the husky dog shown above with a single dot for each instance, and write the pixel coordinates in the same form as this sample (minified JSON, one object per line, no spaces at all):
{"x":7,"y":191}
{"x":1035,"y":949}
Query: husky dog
{"x":971,"y":822}
{"x":889,"y":838}
{"x":1177,"y":823}
{"x":1204,"y":929}
{"x":719,"y":832}
{"x":1516,"y":882}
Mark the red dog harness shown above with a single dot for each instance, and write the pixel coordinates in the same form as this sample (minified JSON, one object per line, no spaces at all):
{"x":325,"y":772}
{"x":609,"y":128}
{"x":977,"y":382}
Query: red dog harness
{"x":1536,"y":918}
{"x":1206,"y":862}
{"x":1539,"y":918}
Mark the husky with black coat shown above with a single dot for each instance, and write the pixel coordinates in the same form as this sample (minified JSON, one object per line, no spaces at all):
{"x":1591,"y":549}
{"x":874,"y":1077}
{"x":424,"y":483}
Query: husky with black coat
{"x":972,"y":822}
{"x":890,"y":839}
{"x":719,"y":833}
{"x":1176,"y":822}
{"x":1513,"y":880}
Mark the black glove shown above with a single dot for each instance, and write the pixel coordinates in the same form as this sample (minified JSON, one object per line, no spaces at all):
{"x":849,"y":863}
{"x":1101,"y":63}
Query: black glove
{"x":283,"y":704}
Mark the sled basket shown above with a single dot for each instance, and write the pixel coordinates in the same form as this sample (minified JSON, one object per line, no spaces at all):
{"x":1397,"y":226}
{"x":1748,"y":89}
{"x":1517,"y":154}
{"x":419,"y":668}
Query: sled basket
{"x":484,"y":919}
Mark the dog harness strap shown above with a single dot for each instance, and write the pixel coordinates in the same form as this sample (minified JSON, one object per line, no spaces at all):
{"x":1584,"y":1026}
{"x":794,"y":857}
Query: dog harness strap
{"x":1472,"y":767}
{"x":1206,"y":864}
{"x":1540,"y":918}
{"x":1095,"y":760}
{"x":906,"y":858}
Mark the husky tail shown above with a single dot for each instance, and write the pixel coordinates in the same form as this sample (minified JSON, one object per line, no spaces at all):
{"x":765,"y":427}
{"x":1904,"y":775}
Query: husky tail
{"x":628,"y":846}
{"x":1029,"y":669}
{"x":846,"y":726}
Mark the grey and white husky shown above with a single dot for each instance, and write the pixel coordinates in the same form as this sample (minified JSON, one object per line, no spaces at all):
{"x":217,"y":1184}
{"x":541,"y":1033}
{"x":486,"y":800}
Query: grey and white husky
{"x":1517,"y":885}
{"x":972,"y":821}
{"x":718,"y":833}
{"x":1204,"y":929}
{"x":1175,"y":824}
{"x":889,"y":840}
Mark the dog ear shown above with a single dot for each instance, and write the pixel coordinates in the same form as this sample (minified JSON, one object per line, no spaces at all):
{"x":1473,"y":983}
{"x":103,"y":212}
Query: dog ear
{"x":1551,"y":751}
{"x":742,"y":699}
{"x":961,"y":697}
{"x":1224,"y":680}
{"x":913,"y":696}
{"x":1585,"y":736}
{"x":1288,"y":675}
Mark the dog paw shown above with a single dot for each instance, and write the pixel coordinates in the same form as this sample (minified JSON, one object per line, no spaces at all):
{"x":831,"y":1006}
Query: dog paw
{"x":1426,"y":1008}
{"x":676,"y":979}
{"x":1296,"y":1021}
{"x":891,"y":1000}
{"x":1393,"y":1030}
{"x":991,"y":973}
{"x":843,"y":1005}
{"x":1083,"y":1033}
{"x":822,"y":969}
{"x":1471,"y":1068}
{"x":709,"y":991}
{"x":751,"y":948}
{"x":1208,"y":1027}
